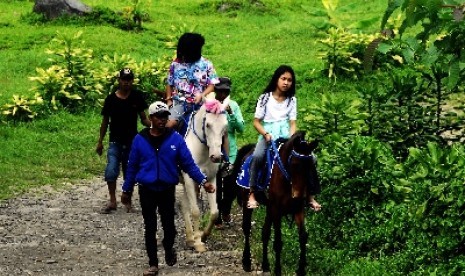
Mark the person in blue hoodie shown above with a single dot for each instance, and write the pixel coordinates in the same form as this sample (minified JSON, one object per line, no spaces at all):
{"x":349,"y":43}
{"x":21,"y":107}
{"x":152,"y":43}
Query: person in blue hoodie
{"x":155,"y":156}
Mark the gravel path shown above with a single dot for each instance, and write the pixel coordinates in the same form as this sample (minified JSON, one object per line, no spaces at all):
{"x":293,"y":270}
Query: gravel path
{"x":52,"y":232}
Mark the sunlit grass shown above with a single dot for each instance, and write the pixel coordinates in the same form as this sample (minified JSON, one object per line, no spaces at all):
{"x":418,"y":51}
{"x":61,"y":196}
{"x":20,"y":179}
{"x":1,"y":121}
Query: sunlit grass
{"x":246,"y":44}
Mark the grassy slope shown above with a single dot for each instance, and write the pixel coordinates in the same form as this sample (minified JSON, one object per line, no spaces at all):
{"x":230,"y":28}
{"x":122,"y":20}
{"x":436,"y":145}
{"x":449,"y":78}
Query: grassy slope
{"x":246,"y":45}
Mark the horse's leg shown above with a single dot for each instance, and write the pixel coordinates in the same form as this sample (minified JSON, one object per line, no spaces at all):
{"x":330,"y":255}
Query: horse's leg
{"x":187,"y":218}
{"x":246,"y":228}
{"x":266,"y":233}
{"x":303,"y":237}
{"x":213,"y":215}
{"x":278,"y":243}
{"x":191,"y":193}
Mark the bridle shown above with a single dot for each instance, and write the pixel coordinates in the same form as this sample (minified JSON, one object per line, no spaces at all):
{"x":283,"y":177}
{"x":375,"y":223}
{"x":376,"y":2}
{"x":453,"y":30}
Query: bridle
{"x":294,"y":154}
{"x":202,"y":139}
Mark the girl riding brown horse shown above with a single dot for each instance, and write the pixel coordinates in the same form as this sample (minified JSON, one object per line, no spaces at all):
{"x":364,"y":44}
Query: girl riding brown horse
{"x":293,"y":183}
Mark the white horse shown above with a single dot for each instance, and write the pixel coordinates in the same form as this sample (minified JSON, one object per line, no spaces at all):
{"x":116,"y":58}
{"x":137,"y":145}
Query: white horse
{"x":203,"y":138}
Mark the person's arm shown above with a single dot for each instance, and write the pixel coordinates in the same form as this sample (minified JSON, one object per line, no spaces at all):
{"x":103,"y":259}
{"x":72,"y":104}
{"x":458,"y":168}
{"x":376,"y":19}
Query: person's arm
{"x":144,"y":119}
{"x":261,"y":130}
{"x":169,"y":94}
{"x":160,"y":94}
{"x":198,"y":97}
{"x":226,"y":144}
{"x":292,"y":127}
{"x":236,"y":121}
{"x":131,"y":172}
{"x":103,"y":131}
{"x":293,"y":117}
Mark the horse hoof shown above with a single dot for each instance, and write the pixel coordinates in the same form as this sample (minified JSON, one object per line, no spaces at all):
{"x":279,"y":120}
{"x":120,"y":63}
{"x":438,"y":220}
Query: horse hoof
{"x":200,"y":248}
{"x":204,"y":237}
{"x":190,"y":244}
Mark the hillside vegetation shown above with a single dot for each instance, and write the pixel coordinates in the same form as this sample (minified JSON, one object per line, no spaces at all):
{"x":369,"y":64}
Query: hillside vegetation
{"x":378,"y":82}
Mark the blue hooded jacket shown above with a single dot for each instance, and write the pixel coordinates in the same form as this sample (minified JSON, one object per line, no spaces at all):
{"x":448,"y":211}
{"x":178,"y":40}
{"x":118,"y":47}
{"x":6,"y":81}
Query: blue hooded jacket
{"x":157,"y":169}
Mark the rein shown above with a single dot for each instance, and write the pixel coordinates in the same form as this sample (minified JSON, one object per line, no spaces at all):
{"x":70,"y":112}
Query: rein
{"x":203,"y":139}
{"x":295,"y":154}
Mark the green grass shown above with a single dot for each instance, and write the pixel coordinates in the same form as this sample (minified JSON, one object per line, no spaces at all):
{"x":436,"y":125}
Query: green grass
{"x":58,"y":150}
{"x":246,"y":43}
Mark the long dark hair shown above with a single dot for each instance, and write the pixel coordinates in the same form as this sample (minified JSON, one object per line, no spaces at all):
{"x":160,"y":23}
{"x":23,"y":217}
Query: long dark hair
{"x":274,"y":80}
{"x":274,"y":83}
{"x":189,"y":49}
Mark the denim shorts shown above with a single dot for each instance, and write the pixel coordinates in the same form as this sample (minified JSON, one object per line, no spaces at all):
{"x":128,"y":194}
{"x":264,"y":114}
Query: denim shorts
{"x":179,"y":108}
{"x":117,"y":154}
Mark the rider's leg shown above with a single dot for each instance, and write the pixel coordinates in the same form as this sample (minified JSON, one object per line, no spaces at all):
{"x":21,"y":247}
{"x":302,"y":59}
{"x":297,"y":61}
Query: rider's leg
{"x":225,"y":148}
{"x":172,"y":123}
{"x":176,"y":110}
{"x":258,"y":158}
{"x":314,"y":187}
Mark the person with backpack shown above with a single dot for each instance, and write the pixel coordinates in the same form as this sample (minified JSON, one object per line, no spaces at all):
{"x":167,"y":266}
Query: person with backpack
{"x":275,"y":117}
{"x":225,"y":184}
{"x":191,"y":77}
{"x":156,"y":154}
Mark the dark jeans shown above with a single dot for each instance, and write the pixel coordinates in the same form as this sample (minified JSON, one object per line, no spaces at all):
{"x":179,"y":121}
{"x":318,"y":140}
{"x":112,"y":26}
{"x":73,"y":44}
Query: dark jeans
{"x":150,"y":201}
{"x":225,"y":194}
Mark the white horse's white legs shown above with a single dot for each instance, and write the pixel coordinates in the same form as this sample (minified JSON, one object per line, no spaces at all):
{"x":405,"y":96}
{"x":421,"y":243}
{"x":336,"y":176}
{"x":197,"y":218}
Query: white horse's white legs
{"x":185,"y":209}
{"x":213,"y":214}
{"x":192,"y":216}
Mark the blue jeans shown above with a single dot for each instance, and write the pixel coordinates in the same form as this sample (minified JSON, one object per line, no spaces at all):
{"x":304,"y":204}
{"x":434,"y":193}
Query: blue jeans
{"x":258,"y":160}
{"x":117,"y":154}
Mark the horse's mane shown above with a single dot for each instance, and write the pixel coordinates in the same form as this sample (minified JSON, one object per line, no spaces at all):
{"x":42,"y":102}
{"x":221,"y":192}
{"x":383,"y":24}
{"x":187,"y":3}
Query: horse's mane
{"x":300,"y":134}
{"x":214,"y":106}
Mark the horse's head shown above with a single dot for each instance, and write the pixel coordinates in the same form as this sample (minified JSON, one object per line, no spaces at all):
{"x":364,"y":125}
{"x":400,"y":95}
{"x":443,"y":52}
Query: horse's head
{"x":215,"y":126}
{"x":301,"y":164}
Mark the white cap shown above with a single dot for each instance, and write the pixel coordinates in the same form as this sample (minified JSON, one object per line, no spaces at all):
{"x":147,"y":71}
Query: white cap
{"x":158,"y":107}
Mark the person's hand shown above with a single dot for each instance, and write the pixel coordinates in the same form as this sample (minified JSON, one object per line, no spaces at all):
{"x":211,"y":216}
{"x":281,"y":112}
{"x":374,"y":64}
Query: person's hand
{"x":99,"y":148}
{"x":169,"y":102}
{"x":228,"y":109}
{"x":126,"y":199}
{"x":268,"y":137}
{"x":198,"y":98}
{"x":209,"y":187}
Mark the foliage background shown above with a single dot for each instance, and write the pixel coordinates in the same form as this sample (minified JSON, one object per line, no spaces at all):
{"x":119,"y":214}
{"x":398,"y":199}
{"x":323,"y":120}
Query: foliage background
{"x":392,"y":187}
{"x":246,"y":40}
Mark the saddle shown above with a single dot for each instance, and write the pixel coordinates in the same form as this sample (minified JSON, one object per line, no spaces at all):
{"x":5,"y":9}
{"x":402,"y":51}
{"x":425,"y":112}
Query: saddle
{"x":264,"y":173}
{"x":183,"y":122}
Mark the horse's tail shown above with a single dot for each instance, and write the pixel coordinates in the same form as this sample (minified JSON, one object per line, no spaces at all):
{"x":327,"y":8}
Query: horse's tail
{"x":242,"y":154}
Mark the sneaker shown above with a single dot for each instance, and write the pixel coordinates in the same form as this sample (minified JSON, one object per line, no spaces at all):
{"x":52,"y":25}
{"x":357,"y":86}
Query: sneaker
{"x":171,"y":257}
{"x":153,"y":270}
{"x":226,"y":218}
{"x":108,"y":209}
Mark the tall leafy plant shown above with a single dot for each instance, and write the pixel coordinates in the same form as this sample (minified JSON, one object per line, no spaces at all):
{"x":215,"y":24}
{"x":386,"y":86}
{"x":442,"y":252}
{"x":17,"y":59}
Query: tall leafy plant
{"x":437,"y":48}
{"x":333,"y":113}
{"x":400,"y":111}
{"x":358,"y":182}
{"x":68,"y":82}
{"x":436,"y":230}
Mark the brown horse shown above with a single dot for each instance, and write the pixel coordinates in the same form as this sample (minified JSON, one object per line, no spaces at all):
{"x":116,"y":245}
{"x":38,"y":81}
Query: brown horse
{"x":293,"y":179}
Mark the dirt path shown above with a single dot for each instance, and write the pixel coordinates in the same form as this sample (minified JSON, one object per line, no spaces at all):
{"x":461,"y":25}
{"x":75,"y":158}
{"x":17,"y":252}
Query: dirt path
{"x":62,"y":233}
